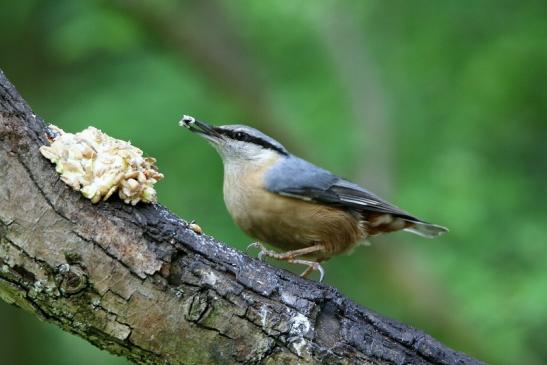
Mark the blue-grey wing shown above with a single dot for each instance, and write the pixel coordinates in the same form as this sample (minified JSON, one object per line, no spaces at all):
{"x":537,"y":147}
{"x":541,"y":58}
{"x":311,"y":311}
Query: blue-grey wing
{"x":300,"y":179}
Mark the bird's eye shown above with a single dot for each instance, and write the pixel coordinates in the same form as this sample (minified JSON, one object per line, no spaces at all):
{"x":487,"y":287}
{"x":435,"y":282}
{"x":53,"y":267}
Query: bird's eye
{"x":240,"y":136}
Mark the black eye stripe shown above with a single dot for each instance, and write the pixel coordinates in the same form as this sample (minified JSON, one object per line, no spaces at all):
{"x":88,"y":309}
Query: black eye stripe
{"x":245,"y":137}
{"x":240,"y":136}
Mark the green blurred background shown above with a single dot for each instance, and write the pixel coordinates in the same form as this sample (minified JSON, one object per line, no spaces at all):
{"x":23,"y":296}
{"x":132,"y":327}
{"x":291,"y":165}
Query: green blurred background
{"x":438,"y":106}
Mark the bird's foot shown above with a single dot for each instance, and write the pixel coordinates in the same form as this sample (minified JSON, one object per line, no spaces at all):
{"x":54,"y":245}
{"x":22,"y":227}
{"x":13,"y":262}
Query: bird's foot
{"x":290,"y":256}
{"x":285,"y":256}
{"x":262,"y":251}
{"x":312,"y":266}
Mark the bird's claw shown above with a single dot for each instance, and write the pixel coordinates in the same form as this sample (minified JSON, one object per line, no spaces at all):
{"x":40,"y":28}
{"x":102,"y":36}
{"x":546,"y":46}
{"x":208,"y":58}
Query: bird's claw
{"x":318,"y":267}
{"x":254,"y":245}
{"x":262,"y":253}
{"x":312,"y":266}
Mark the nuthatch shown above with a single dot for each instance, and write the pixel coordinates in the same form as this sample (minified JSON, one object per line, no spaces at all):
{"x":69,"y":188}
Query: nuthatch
{"x":306,"y":211}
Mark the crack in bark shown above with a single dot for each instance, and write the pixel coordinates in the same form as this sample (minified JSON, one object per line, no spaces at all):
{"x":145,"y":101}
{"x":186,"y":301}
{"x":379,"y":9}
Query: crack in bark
{"x":37,"y":185}
{"x":96,"y":245}
{"x":21,"y":250}
{"x":35,"y":307}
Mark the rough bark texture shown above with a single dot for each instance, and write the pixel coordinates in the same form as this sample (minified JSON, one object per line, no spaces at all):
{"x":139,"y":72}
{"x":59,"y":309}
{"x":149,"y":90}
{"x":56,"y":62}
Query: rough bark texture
{"x":138,"y":282}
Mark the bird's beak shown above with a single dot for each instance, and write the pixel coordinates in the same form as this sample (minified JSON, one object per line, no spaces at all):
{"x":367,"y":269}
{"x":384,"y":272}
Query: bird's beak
{"x":206,"y":130}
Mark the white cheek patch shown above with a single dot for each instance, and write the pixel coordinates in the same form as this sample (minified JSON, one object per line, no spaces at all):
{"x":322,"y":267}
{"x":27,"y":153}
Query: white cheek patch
{"x":241,"y":153}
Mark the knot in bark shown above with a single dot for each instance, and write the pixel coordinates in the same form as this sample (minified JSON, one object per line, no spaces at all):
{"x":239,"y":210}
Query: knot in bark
{"x":71,"y":279}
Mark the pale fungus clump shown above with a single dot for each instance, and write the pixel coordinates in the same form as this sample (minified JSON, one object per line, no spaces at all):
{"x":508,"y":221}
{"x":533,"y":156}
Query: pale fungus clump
{"x":99,"y":165}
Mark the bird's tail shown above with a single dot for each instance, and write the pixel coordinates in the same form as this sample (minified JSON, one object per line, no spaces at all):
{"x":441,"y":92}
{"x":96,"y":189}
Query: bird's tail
{"x":426,"y":229}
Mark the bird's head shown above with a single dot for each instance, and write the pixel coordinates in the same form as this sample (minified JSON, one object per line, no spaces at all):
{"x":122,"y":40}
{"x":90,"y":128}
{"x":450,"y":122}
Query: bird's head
{"x":236,"y":143}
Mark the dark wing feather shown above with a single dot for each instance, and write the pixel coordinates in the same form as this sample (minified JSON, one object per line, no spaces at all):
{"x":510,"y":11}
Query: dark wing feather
{"x":300,"y":179}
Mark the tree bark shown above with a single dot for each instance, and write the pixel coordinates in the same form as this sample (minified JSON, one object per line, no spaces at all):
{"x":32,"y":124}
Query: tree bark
{"x":138,"y":282}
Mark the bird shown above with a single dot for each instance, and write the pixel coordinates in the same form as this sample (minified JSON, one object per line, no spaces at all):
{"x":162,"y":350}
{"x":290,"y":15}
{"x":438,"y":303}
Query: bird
{"x":307,"y":212}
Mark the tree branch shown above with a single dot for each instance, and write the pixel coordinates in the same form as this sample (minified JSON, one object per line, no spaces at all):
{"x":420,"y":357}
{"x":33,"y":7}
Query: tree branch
{"x":138,"y":282}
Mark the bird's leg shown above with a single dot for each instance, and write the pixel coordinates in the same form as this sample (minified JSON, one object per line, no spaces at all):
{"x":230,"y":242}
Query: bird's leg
{"x":291,"y":257}
{"x":286,"y":256}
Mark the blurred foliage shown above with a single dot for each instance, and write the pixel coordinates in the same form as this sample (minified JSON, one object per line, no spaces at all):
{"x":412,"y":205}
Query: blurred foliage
{"x":439,"y":106}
